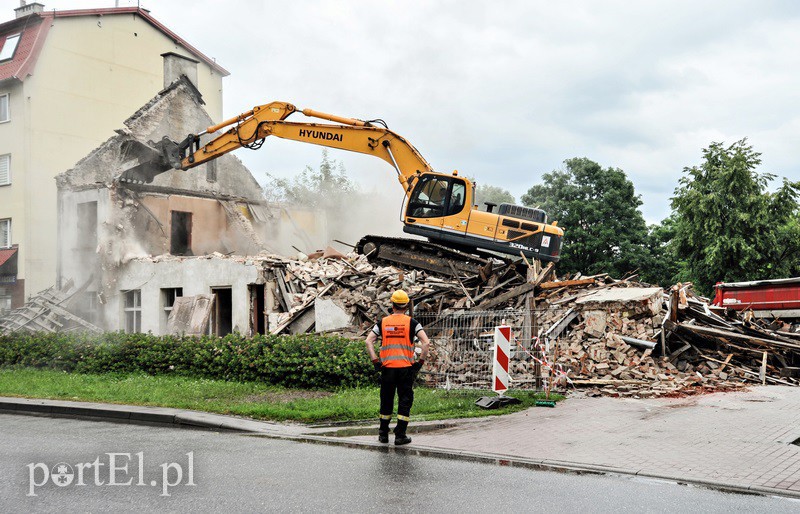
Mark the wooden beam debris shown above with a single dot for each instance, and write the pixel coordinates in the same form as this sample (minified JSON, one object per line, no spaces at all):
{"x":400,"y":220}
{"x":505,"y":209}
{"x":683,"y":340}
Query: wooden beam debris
{"x":48,"y":311}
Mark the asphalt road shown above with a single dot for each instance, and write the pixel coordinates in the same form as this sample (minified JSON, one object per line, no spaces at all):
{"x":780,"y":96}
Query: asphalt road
{"x":236,"y":473}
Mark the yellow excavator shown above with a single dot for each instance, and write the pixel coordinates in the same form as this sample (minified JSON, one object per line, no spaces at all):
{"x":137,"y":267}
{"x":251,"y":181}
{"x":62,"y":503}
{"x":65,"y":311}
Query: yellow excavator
{"x":438,"y":206}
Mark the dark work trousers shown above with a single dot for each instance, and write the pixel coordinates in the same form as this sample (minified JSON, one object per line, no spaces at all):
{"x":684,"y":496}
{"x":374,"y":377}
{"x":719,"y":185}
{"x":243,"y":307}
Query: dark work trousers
{"x":402,"y":381}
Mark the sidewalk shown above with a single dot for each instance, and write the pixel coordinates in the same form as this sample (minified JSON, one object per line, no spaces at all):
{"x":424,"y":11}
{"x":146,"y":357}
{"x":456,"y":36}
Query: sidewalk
{"x":743,"y":439}
{"x":737,"y":441}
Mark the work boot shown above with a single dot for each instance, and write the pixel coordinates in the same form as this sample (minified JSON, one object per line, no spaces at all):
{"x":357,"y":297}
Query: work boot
{"x":383,"y":430}
{"x":401,"y":439}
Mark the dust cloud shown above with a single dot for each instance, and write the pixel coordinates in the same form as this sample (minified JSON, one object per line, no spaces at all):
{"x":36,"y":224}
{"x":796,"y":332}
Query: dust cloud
{"x":320,"y":205}
{"x":305,"y":227}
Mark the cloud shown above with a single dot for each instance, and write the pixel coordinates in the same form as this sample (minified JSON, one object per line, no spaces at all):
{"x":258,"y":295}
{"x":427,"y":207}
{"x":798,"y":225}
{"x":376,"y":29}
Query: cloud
{"x":506,"y":91}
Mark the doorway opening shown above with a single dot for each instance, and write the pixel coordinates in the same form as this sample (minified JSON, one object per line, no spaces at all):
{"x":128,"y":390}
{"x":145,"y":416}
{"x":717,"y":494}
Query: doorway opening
{"x":257,"y":314}
{"x":223,"y":310}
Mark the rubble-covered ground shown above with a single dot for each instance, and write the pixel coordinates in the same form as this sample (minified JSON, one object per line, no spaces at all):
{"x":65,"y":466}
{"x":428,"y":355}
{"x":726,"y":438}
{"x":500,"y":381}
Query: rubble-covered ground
{"x":614,"y":337}
{"x":605,"y":335}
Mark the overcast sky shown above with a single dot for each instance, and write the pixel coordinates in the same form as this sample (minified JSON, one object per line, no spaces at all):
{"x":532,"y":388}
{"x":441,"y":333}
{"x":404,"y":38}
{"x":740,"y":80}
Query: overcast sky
{"x":506,"y":91}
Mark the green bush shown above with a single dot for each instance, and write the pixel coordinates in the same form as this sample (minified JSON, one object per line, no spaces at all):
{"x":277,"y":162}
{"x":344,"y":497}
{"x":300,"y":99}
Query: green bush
{"x":307,"y":361}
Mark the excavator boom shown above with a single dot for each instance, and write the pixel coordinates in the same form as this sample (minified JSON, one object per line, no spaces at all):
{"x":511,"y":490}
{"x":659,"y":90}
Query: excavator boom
{"x":438,"y":206}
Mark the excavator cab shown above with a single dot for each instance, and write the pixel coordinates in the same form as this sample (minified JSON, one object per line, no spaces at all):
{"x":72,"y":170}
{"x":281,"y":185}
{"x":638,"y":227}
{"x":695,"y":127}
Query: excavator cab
{"x":440,"y":209}
{"x":436,"y":195}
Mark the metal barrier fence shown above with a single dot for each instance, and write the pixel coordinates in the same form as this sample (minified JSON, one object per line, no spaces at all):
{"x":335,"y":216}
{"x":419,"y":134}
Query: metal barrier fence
{"x":463,"y":344}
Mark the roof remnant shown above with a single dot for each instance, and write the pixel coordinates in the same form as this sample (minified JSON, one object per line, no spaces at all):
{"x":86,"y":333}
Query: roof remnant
{"x":35,"y":27}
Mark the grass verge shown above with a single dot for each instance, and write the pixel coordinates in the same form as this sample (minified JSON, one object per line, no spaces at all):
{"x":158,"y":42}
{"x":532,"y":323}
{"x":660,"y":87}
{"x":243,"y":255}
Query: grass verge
{"x":249,"y":399}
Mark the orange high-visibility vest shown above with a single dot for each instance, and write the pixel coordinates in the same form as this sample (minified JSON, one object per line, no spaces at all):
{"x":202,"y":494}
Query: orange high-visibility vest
{"x":397,"y":347}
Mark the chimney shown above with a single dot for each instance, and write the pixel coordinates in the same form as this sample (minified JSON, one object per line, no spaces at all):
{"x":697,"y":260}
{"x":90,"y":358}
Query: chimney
{"x":25,"y":8}
{"x":176,"y":65}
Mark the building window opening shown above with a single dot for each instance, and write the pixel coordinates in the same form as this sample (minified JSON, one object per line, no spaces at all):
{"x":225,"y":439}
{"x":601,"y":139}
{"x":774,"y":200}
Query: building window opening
{"x":5,"y":301}
{"x":87,"y":226}
{"x":223,"y":311}
{"x":181,"y":233}
{"x":9,"y":46}
{"x":5,"y":233}
{"x":89,"y":308}
{"x":168,"y":297}
{"x":5,"y":170}
{"x":5,"y":114}
{"x":211,"y":171}
{"x":133,"y":310}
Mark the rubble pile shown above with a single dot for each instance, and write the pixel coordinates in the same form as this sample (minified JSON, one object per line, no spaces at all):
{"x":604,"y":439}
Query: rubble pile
{"x":729,"y":345}
{"x":622,"y":339}
{"x":362,"y":289}
{"x":614,"y":337}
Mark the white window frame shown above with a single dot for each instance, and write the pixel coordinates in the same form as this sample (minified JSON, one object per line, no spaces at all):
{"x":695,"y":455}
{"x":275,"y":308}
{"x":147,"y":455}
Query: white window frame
{"x":7,"y":158}
{"x":6,"y":55}
{"x":6,"y":244}
{"x":132,"y":314}
{"x":168,"y":297}
{"x":7,"y":97}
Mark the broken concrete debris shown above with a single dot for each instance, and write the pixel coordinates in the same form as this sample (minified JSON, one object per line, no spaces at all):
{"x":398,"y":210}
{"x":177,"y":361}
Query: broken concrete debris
{"x":637,"y":341}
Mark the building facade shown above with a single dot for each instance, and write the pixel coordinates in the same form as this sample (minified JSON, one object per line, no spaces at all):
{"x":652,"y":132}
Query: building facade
{"x":68,"y":79}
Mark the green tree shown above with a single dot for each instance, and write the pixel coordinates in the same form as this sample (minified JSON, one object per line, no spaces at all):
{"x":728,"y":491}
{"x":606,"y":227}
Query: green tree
{"x":662,"y":265}
{"x":604,"y":230}
{"x":729,"y":226}
{"x":327,"y":188}
{"x":494,"y":194}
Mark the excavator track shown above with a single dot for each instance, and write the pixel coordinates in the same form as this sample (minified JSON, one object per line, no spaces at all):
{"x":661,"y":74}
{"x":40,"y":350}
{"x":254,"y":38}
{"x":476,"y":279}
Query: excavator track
{"x":424,"y":255}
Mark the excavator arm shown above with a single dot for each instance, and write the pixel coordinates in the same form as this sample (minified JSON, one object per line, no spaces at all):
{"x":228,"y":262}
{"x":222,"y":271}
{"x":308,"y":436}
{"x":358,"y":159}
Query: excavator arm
{"x":249,"y":130}
{"x":439,"y":207}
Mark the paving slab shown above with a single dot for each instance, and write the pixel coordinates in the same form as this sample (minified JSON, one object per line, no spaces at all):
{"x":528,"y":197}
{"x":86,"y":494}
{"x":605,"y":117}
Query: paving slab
{"x":740,"y":439}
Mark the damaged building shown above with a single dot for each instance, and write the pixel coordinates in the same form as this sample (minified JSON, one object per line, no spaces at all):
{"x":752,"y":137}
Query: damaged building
{"x":68,"y":78}
{"x":109,"y":230}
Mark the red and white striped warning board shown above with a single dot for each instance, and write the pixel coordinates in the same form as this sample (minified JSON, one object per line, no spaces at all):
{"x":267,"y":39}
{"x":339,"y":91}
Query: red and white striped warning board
{"x":502,"y":349}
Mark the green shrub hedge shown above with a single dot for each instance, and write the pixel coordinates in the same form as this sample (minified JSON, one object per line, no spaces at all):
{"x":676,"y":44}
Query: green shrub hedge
{"x":308,"y":361}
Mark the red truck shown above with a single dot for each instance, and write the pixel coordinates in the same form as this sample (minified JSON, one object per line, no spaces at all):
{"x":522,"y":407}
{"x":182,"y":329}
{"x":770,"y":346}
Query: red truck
{"x":766,"y":298}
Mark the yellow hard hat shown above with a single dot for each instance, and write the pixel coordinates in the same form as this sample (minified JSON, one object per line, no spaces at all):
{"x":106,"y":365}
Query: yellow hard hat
{"x":400,"y":297}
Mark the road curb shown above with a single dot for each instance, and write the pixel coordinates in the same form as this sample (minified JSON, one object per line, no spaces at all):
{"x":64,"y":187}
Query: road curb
{"x":194,"y":419}
{"x":129,"y":414}
{"x":577,"y":468}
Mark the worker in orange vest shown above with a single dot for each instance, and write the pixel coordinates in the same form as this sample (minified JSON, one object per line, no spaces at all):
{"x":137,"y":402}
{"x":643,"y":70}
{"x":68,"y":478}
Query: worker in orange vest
{"x":397,"y":366}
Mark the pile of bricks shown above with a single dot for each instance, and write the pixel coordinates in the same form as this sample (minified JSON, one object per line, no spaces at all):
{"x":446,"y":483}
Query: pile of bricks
{"x":628,"y":339}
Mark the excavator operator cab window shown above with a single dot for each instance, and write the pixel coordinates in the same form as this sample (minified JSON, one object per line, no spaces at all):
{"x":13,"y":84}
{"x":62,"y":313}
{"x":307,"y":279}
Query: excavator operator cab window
{"x":436,"y":196}
{"x":458,"y":193}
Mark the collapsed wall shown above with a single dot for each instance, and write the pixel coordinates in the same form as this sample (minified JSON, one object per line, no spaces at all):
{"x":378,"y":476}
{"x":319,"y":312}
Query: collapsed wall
{"x":104,"y":223}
